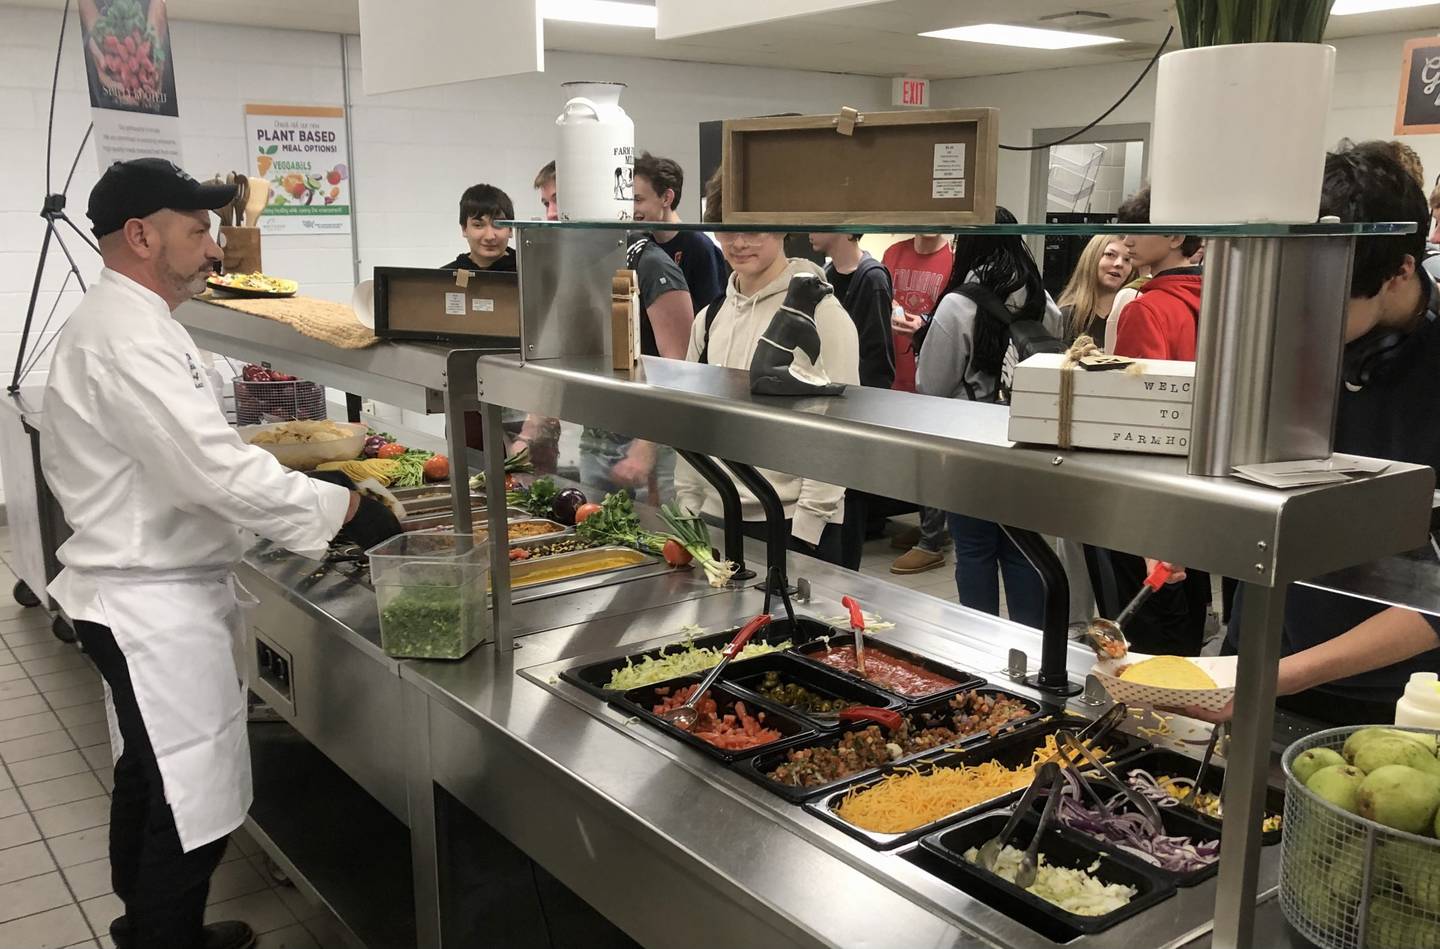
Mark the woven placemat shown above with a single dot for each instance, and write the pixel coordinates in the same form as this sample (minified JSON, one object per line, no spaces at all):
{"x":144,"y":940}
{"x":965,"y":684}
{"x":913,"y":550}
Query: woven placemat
{"x":333,"y":323}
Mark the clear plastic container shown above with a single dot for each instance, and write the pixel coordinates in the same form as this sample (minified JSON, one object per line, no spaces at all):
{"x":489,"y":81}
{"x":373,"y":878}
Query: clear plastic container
{"x":431,"y":590}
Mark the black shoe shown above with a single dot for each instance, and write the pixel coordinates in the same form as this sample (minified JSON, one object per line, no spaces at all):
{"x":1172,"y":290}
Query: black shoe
{"x":230,"y":934}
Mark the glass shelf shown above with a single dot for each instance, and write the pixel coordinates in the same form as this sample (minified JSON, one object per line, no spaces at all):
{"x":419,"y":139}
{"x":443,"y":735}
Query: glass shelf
{"x":1198,"y":230}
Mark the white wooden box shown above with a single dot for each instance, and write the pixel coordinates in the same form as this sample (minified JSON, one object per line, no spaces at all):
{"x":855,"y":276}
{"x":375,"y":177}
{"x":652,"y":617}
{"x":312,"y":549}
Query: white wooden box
{"x":1088,"y":408}
{"x":1163,"y":380}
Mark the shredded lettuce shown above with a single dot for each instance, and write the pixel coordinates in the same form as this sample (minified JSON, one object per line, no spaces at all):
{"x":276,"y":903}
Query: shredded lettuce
{"x":1075,"y":891}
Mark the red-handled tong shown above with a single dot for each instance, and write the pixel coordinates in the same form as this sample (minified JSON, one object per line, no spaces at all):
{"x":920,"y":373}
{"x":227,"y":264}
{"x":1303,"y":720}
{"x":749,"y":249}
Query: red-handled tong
{"x":685,"y":716}
{"x":884,"y":717}
{"x":857,"y":625}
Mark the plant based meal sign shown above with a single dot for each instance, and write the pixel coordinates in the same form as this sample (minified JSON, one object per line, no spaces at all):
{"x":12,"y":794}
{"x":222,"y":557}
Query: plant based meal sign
{"x":302,"y":152}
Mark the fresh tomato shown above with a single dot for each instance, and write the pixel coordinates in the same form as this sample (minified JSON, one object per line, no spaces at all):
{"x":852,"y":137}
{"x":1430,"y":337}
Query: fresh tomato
{"x":675,"y":554}
{"x":392,"y":450}
{"x":512,"y":483}
{"x":437,"y":468}
{"x":584,"y":511}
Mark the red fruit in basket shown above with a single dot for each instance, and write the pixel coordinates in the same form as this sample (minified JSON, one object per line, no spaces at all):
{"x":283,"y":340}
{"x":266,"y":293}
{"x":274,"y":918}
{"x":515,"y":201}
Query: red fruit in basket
{"x":437,"y":468}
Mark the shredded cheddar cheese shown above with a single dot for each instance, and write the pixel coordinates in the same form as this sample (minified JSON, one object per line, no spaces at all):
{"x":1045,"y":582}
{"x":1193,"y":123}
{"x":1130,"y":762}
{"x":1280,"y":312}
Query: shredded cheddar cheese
{"x":912,"y":798}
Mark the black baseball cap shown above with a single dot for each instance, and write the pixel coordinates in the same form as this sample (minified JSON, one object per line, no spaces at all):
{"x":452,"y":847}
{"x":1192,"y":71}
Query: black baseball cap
{"x":142,"y":186}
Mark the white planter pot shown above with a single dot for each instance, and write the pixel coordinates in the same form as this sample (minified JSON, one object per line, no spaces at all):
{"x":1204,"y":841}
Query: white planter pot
{"x":1239,"y":133}
{"x":595,"y":161}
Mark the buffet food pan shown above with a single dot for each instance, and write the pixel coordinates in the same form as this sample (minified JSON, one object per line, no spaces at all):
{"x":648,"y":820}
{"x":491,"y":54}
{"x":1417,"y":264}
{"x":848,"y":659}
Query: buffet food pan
{"x":1061,"y":848}
{"x":430,"y":501}
{"x":1011,"y":750}
{"x":760,"y":768}
{"x":573,"y":565}
{"x":594,"y":676}
{"x":876,"y":651}
{"x":831,"y":686}
{"x":642,"y":701}
{"x":444,"y":518}
{"x":1163,"y":761}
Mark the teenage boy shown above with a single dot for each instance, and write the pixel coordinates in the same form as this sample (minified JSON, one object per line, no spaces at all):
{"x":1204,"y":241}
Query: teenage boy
{"x":1347,"y":658}
{"x":920,"y":268}
{"x":489,"y":246}
{"x":862,"y":285}
{"x":1161,"y":323}
{"x":658,"y":183}
{"x":545,"y":184}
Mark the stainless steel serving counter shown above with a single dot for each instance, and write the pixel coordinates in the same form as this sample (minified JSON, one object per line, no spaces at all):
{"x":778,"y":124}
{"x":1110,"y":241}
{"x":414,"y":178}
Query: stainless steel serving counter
{"x":667,"y":844}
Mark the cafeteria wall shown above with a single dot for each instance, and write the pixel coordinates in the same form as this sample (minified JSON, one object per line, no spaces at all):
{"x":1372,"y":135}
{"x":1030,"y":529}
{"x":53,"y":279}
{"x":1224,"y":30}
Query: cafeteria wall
{"x":1367,"y":81}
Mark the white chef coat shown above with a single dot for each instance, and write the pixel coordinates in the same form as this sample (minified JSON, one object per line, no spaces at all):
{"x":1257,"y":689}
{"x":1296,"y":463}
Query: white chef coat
{"x":159,"y":492}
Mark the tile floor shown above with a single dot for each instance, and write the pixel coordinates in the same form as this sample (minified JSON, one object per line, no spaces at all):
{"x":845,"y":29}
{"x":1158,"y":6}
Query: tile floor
{"x":55,"y":780}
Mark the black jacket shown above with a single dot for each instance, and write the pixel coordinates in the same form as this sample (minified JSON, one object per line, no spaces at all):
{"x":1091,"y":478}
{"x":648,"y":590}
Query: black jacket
{"x":868,"y":303}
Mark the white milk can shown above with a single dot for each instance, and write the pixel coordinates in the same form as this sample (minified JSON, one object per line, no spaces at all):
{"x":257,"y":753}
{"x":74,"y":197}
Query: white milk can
{"x":595,"y":161}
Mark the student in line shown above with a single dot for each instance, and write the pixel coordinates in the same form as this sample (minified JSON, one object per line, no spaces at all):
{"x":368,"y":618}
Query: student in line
{"x":726,"y":334}
{"x":1161,"y":323}
{"x":919,"y":268}
{"x":488,"y":246}
{"x":965,"y":356}
{"x":658,"y":184}
{"x":1103,"y":269}
{"x":862,"y":285}
{"x":545,"y":184}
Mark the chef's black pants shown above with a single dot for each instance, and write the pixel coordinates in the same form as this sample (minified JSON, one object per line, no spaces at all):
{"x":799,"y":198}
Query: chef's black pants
{"x":163,"y":887}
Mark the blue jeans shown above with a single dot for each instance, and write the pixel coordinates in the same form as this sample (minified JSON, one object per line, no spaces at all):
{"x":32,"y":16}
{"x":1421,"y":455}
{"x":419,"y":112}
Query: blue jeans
{"x":983,"y":553}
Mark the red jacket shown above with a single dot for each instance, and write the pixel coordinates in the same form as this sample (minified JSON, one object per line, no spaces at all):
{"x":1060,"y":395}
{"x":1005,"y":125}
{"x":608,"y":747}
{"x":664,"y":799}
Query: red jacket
{"x":1160,"y":323}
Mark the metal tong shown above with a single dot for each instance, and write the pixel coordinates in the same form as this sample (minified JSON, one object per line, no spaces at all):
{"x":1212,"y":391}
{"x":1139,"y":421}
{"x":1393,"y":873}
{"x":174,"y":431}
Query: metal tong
{"x":1107,"y":637}
{"x":857,"y":626}
{"x":1140,"y":802}
{"x":884,"y":717}
{"x":1215,"y":735}
{"x":1047,"y":775}
{"x":686,"y":715}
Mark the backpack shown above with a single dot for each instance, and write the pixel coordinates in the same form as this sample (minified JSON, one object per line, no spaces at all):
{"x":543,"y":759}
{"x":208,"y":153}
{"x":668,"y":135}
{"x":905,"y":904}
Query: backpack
{"x":711,"y":311}
{"x":1026,"y":338}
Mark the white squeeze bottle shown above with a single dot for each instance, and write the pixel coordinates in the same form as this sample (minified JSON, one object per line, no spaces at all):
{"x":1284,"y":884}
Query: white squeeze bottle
{"x":1420,"y":705}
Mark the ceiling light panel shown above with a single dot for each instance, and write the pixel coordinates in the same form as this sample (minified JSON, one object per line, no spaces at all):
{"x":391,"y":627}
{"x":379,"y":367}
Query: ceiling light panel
{"x":1002,"y":34}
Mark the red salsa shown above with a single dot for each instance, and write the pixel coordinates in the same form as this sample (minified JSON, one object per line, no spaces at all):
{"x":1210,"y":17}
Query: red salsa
{"x":887,"y":671}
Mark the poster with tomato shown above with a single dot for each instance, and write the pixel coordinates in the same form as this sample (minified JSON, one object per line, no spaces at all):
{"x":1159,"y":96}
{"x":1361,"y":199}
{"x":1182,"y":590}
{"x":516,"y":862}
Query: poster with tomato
{"x":127,"y":56}
{"x":303,"y":152}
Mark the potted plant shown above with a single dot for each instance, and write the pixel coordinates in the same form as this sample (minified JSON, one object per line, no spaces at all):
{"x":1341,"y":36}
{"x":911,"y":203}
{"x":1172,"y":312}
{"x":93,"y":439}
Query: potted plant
{"x":1239,"y":132}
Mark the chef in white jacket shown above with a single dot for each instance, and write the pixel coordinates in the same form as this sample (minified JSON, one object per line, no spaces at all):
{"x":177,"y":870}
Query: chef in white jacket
{"x":161,"y":495}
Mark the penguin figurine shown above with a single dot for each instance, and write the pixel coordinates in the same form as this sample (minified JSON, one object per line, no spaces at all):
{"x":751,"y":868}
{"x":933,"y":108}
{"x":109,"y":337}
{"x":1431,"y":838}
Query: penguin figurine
{"x":787,"y":360}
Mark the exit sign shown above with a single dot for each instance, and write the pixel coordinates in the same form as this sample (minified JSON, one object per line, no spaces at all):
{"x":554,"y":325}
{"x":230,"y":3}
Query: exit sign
{"x":912,"y":92}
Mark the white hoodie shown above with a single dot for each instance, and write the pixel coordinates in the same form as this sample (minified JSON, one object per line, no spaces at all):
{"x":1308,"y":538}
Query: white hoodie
{"x":736,"y":331}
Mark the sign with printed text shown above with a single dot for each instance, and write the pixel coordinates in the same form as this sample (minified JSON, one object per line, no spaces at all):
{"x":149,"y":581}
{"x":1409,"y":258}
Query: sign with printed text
{"x":302,"y":151}
{"x":131,"y":75}
{"x":910,"y":92}
{"x":1418,"y":112}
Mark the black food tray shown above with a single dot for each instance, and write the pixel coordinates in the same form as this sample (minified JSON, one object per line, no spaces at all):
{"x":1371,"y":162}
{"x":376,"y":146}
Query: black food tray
{"x":593,"y":676}
{"x":1163,"y":761}
{"x":1176,"y":823}
{"x":1011,"y":750}
{"x":640,"y":702}
{"x":1061,"y":848}
{"x":937,"y":711}
{"x":831,"y":685}
{"x":963,"y":680}
{"x":758,"y":768}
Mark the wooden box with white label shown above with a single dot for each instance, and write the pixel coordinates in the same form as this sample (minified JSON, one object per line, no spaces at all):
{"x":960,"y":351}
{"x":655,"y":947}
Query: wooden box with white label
{"x":472,"y":306}
{"x":917,"y":167}
{"x":1146,"y":409}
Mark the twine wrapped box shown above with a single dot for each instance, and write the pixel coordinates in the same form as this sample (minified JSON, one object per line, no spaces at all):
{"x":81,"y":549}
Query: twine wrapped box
{"x":1145,"y":407}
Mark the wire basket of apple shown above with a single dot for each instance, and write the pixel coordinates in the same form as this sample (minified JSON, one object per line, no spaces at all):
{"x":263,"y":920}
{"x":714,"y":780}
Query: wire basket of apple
{"x":1360,"y":860}
{"x":263,"y":394}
